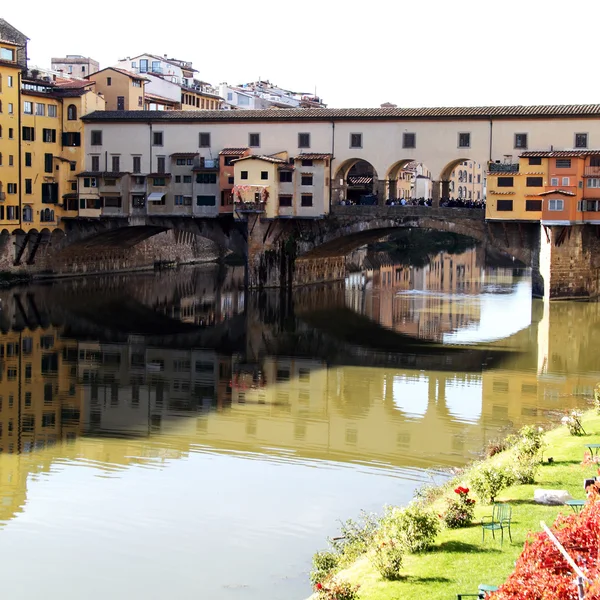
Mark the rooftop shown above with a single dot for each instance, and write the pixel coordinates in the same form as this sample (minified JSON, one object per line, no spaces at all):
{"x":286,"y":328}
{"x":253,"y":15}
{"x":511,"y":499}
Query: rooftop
{"x":357,"y":114}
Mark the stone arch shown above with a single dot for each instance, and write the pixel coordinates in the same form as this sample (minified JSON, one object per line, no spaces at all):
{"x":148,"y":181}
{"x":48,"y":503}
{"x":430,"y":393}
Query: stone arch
{"x":456,"y":178}
{"x":397,"y":189}
{"x":351,"y":186}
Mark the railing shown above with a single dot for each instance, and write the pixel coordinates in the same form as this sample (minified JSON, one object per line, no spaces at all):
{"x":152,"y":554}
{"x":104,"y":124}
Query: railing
{"x":503,"y":168}
{"x":249,"y":207}
{"x":591,"y":172}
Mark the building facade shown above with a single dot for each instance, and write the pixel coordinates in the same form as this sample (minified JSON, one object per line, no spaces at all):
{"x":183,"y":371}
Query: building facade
{"x":75,"y":65}
{"x":122,"y":90}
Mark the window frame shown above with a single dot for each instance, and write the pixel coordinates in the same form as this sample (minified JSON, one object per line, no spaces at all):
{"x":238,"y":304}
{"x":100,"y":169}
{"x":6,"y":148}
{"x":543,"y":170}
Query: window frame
{"x":587,"y":140}
{"x":252,"y":139}
{"x":158,"y":138}
{"x":359,"y":145}
{"x":301,"y":138}
{"x":557,"y":201}
{"x":200,"y":136}
{"x":458,"y":141}
{"x":404,"y":140}
{"x":521,"y":146}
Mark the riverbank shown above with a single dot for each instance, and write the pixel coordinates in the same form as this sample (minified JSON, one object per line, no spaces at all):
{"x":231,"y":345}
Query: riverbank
{"x":459,"y":561}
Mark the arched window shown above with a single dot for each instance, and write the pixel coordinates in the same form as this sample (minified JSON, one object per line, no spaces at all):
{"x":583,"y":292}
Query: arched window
{"x":72,"y":113}
{"x":460,"y":191}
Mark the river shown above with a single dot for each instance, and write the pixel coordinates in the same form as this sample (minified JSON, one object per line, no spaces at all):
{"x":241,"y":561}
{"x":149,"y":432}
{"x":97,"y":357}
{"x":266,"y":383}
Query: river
{"x":170,"y":435}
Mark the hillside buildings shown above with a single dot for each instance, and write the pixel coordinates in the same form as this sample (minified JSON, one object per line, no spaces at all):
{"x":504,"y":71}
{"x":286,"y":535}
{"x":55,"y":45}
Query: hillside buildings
{"x":264,"y":94}
{"x":75,"y":65}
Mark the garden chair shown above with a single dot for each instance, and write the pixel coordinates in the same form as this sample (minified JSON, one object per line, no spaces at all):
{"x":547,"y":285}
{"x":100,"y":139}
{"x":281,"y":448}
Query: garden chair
{"x":483,"y":591}
{"x":500,"y":519}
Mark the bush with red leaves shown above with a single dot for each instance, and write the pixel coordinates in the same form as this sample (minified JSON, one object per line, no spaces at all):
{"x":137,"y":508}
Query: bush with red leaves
{"x":542,"y":573}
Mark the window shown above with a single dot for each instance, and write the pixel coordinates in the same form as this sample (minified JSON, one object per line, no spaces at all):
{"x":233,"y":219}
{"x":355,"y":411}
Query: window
{"x":140,"y":99}
{"x":11,"y":133}
{"x":187,"y":179}
{"x":109,"y":81}
{"x":11,"y":188}
{"x":285,"y":200}
{"x":40,"y":109}
{"x":95,"y":163}
{"x":244,"y":175}
{"x":28,"y":108}
{"x":504,"y":205}
{"x":112,"y":202}
{"x":89,"y":182}
{"x":28,"y":186}
{"x":581,"y":140}
{"x":71,"y":138}
{"x":137,"y":164}
{"x":96,"y":138}
{"x":505,"y":181}
{"x":535,"y":160}
{"x":592,"y":205}
{"x":159,"y":181}
{"x":307,"y":179}
{"x":157,"y":138}
{"x":230,"y":180}
{"x":307,"y":163}
{"x":48,"y":162}
{"x":28,"y":134}
{"x":49,"y":136}
{"x":180,"y":161}
{"x":206,"y":200}
{"x":554,"y":181}
{"x":11,"y":160}
{"x":285,"y":176}
{"x":535,"y":182}
{"x":356,"y":140}
{"x":206,"y":178}
{"x":177,"y":178}
{"x":409,"y":140}
{"x":264,"y":175}
{"x":160,"y":164}
{"x":10,"y":108}
{"x":72,"y":112}
{"x":27,"y":159}
{"x":115,"y":164}
{"x":306,"y":200}
{"x":304,"y":140}
{"x":9,"y":81}
{"x":593,"y":183}
{"x":565,"y":181}
{"x":520,"y":140}
{"x":7,"y":54}
{"x":533,"y":205}
{"x":556,"y":205}
{"x":464,"y":140}
{"x":143,"y":65}
{"x":49,"y":193}
{"x":204,"y":140}
{"x":563,"y":163}
{"x":254,"y":140}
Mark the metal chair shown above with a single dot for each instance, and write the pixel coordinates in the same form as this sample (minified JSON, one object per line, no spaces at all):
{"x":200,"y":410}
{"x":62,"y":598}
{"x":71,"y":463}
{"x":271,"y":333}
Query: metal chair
{"x":500,"y":519}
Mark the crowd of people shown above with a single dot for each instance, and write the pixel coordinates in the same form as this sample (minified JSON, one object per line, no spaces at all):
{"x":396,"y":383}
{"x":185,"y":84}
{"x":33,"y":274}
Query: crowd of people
{"x":444,"y":202}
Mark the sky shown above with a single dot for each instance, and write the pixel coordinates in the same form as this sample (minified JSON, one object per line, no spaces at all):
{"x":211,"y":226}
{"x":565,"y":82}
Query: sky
{"x":418,"y":53}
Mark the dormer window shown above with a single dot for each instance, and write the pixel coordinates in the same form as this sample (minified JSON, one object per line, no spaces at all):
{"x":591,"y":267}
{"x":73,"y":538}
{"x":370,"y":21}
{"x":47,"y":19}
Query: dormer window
{"x":7,"y":54}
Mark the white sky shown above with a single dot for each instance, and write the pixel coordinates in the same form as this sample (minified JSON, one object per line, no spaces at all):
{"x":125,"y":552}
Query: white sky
{"x":418,"y":53}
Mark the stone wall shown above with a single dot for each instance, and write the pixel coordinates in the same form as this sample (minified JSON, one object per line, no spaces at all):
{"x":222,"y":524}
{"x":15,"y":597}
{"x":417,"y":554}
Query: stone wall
{"x":574,"y":261}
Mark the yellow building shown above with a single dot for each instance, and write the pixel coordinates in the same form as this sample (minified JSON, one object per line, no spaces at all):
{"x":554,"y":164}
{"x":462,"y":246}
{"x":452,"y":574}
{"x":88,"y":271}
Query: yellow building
{"x":513,"y":190}
{"x":10,"y":82}
{"x":121,"y":89}
{"x":467,"y":181}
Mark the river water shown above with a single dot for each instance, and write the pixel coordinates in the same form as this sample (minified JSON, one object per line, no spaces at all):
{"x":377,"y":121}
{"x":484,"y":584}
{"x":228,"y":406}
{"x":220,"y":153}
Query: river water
{"x":169,"y":435}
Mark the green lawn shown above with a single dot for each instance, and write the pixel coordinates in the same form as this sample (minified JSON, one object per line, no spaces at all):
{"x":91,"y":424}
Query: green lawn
{"x":459,"y":562}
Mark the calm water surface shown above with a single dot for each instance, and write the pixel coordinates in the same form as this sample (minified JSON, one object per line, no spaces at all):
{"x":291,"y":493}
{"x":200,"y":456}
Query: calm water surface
{"x":168,"y":435}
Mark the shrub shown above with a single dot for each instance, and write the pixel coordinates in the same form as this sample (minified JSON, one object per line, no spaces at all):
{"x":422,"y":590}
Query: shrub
{"x":528,"y":443}
{"x":355,"y":539}
{"x":487,"y":481}
{"x":573,"y":423}
{"x":336,"y":590}
{"x":495,"y":447}
{"x":387,"y":557}
{"x":525,"y":470}
{"x":324,"y":564}
{"x":460,"y":511}
{"x":414,"y":527}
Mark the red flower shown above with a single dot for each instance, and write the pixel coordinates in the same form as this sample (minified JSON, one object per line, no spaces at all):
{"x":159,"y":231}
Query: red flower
{"x":319,"y":586}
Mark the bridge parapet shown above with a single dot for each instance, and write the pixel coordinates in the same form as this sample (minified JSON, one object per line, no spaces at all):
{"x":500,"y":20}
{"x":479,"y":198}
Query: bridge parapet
{"x":392,"y":212}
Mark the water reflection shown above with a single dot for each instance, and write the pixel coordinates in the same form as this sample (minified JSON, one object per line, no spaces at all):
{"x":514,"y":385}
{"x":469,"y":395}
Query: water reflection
{"x":334,"y":398}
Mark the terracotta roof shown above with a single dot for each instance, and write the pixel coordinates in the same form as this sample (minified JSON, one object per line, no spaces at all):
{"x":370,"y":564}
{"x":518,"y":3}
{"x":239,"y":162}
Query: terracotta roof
{"x":503,"y":173}
{"x":559,"y":153}
{"x":184,"y":154}
{"x":312,"y":156}
{"x":119,"y":70}
{"x":69,"y":196}
{"x":502,"y":193}
{"x":270,"y":159}
{"x":563,"y":192}
{"x":73,"y":83}
{"x":359,"y":180}
{"x":232,"y":151}
{"x":357,"y":114}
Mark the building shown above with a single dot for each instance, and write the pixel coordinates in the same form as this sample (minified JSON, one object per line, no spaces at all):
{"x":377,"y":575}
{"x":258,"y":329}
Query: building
{"x":122,"y":90}
{"x":41,"y":150}
{"x":75,"y":65}
{"x":11,"y":35}
{"x":264,"y":94}
{"x":171,"y":84}
{"x":467,"y":181}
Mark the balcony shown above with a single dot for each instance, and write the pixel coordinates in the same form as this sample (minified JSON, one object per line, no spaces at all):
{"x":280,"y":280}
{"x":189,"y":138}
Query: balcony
{"x":592,"y":171}
{"x":504,"y":168}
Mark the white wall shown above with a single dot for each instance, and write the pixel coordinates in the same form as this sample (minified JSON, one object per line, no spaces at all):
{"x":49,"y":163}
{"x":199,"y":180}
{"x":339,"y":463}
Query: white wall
{"x":160,"y":87}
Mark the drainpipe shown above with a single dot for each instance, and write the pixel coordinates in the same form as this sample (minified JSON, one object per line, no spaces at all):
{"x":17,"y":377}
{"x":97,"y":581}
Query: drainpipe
{"x":331,"y":161}
{"x":150,"y":143}
{"x":491,"y":137}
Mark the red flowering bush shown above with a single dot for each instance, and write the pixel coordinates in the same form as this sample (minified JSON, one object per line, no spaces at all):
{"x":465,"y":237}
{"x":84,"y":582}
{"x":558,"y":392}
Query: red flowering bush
{"x":542,"y":573}
{"x":460,"y":511}
{"x":336,"y":590}
{"x":387,"y":557}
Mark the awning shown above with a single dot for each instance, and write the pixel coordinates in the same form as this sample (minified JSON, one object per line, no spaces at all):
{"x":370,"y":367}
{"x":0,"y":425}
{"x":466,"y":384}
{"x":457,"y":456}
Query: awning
{"x":155,"y":197}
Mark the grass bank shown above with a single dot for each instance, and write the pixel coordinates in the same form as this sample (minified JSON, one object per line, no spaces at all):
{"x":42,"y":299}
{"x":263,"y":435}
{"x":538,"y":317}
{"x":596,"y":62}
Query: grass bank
{"x":459,"y":561}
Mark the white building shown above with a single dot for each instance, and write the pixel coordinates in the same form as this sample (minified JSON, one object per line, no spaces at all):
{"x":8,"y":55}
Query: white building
{"x":264,"y":94}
